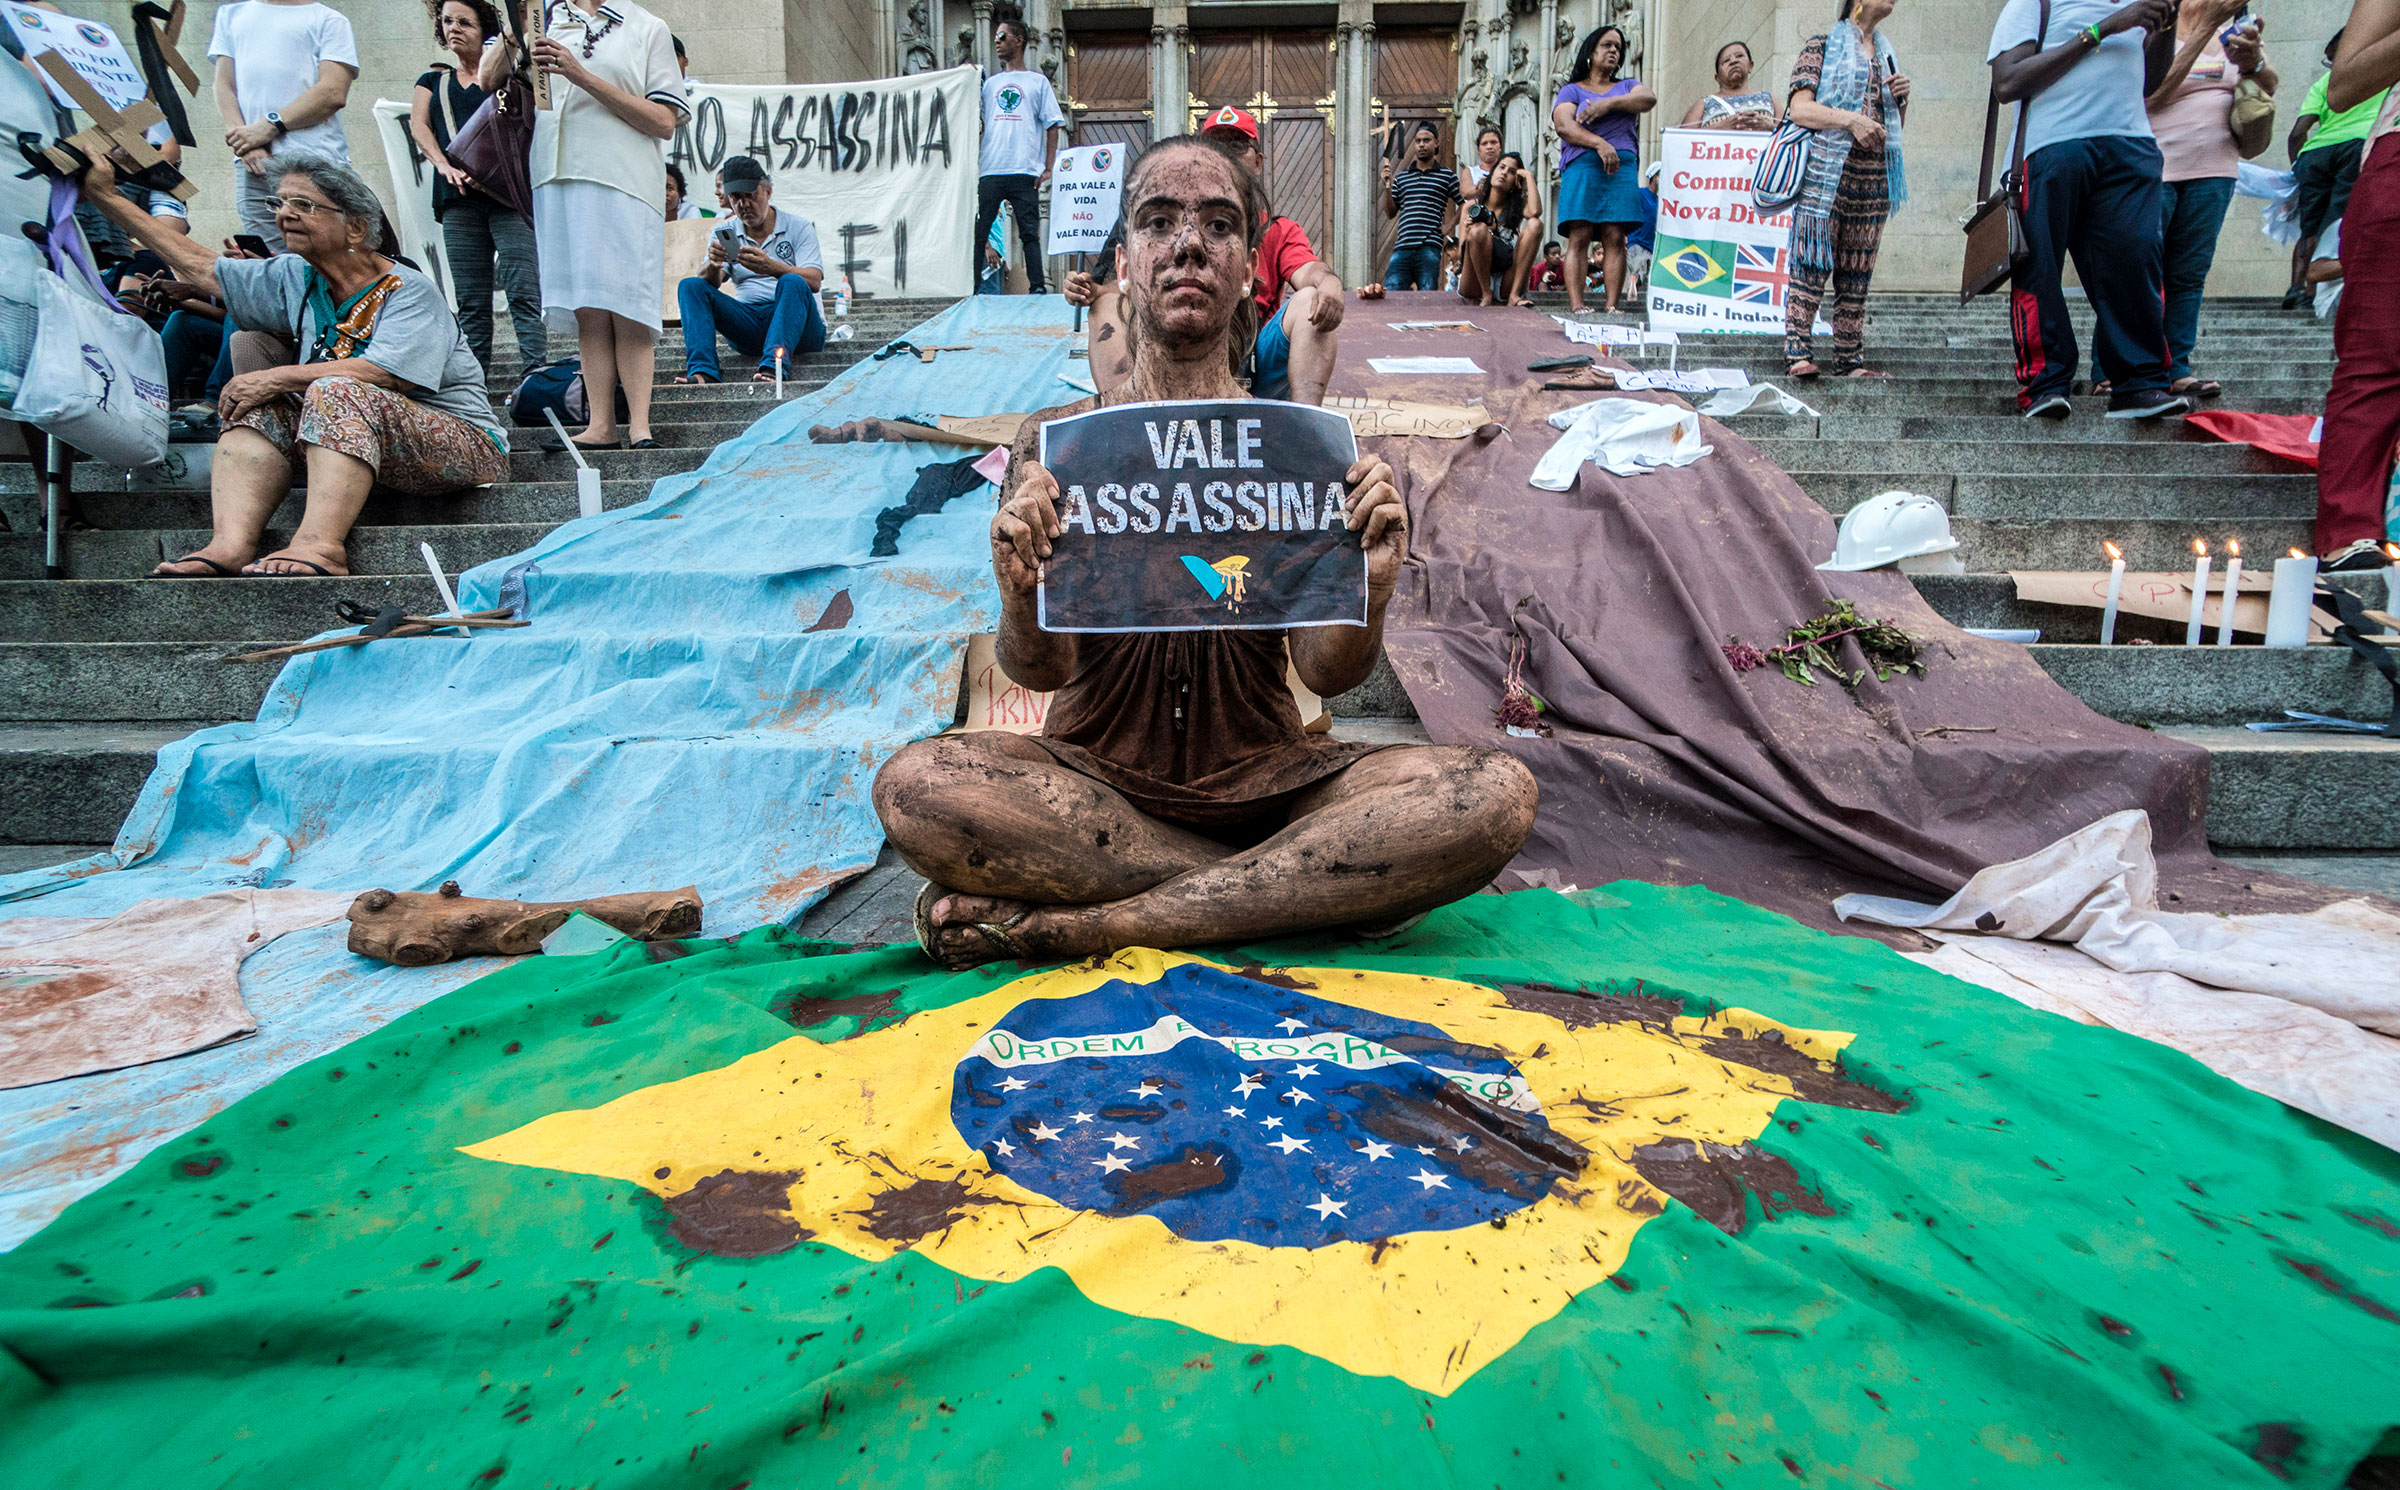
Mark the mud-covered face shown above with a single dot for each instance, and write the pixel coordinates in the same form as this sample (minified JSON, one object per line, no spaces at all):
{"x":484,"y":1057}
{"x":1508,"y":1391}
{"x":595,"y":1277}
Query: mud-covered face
{"x":1186,"y":257}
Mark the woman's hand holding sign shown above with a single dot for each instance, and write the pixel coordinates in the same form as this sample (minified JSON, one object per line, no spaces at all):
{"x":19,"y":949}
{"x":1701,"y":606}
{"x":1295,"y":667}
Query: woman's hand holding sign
{"x":1022,"y":530}
{"x":1371,"y":503}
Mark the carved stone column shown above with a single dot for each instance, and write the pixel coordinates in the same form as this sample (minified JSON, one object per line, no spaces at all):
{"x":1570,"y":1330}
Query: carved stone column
{"x":1353,"y":246}
{"x":983,"y":36}
{"x":1170,"y":71}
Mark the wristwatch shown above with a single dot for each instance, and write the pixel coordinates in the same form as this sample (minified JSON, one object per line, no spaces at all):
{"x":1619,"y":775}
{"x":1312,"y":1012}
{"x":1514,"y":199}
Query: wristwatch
{"x":276,"y":119}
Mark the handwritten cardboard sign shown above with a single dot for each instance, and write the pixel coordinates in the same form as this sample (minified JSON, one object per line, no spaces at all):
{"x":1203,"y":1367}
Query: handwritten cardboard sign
{"x":1202,"y":516}
{"x":2160,"y":596}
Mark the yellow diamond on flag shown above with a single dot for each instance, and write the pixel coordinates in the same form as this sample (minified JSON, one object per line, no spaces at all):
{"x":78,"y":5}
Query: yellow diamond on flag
{"x":1691,"y":266}
{"x":1402,"y":1175}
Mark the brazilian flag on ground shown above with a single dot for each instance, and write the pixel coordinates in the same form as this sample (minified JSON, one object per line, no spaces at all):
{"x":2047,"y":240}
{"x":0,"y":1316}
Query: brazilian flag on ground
{"x":1603,"y":1191}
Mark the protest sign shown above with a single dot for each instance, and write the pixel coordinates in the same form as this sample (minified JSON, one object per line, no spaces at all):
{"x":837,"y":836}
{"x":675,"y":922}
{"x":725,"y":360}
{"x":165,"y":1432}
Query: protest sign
{"x":1720,"y":264}
{"x":1201,"y":517}
{"x":419,"y":231}
{"x":86,"y":46}
{"x":1085,"y":184}
{"x":884,"y":169}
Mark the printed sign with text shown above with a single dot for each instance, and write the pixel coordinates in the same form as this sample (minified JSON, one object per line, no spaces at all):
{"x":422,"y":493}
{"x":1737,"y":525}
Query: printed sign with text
{"x":1202,"y":517}
{"x":1085,"y":184}
{"x":1720,"y":264}
{"x":86,"y":46}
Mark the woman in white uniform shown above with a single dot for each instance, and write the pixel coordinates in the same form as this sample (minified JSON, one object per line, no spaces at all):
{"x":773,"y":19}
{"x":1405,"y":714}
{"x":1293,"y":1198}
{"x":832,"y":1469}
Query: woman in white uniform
{"x":599,"y":193}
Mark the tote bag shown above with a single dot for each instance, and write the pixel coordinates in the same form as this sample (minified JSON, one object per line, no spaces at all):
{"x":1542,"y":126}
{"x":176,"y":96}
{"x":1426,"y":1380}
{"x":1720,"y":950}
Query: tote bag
{"x":1775,"y":185}
{"x":95,"y":378}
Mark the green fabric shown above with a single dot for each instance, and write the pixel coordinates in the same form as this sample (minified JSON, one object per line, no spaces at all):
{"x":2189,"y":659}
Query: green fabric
{"x":2074,"y":1259}
{"x":2350,"y":124}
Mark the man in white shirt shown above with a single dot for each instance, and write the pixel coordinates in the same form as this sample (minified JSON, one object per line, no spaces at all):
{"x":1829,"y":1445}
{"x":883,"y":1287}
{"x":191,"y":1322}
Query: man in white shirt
{"x":2093,"y":187}
{"x":759,"y":290}
{"x":284,"y":70}
{"x":1021,"y":121}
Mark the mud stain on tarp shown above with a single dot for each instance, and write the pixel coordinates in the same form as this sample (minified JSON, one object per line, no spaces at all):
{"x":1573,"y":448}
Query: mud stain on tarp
{"x":837,"y":613}
{"x":1275,"y":977}
{"x":1188,"y":1171}
{"x":1585,"y":1008}
{"x":2274,"y":1446}
{"x":2318,"y":1274}
{"x":920,"y":1208}
{"x":1714,"y":1179}
{"x":1436,"y":1045}
{"x":738,"y":1213}
{"x":1822,"y":1082}
{"x":801,"y":1010}
{"x":1509,"y":1152}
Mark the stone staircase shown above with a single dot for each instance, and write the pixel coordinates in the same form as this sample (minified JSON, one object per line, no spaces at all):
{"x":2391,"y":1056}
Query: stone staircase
{"x":100,"y":670}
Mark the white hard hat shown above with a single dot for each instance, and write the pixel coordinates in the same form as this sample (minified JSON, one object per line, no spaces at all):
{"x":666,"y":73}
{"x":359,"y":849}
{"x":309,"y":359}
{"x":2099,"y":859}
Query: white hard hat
{"x":1889,"y":527}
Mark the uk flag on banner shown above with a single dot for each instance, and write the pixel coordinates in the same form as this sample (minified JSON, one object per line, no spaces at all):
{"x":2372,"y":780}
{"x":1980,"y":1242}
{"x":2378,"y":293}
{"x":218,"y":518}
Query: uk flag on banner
{"x":1760,"y":274}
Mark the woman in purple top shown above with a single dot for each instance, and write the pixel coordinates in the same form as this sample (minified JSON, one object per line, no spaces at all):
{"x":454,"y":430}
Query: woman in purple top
{"x":1600,"y":179}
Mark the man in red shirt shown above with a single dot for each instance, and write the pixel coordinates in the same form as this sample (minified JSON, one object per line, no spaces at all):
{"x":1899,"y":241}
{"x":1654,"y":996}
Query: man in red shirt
{"x":1299,"y":299}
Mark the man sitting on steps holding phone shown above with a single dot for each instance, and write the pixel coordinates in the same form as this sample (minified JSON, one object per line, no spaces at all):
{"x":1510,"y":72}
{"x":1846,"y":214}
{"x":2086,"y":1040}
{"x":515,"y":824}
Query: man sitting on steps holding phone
{"x":769,"y":264}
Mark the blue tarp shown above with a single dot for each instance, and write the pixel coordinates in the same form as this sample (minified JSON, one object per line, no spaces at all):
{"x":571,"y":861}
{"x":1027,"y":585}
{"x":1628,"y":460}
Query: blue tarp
{"x":667,"y":720}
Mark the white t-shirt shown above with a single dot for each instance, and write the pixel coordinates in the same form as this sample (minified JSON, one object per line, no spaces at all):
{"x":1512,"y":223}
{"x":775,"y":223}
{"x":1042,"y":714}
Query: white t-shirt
{"x":1017,"y":108}
{"x":688,"y":211}
{"x":277,"y":51}
{"x":2101,"y":95}
{"x":791,"y":240}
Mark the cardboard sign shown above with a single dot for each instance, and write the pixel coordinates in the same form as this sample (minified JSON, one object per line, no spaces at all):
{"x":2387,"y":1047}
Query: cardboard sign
{"x":86,"y":46}
{"x":1085,"y":186}
{"x":1202,"y":517}
{"x":885,"y":168}
{"x":2162,"y":597}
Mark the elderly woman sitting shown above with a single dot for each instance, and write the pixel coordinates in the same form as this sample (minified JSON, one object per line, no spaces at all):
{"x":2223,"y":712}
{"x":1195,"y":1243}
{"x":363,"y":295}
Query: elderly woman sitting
{"x":385,"y":393}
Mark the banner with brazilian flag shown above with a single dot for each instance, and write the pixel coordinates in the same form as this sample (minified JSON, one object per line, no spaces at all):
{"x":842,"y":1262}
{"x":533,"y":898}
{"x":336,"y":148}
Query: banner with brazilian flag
{"x":1644,"y":1187}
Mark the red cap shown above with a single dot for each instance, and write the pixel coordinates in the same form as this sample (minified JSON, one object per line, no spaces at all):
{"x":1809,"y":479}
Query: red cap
{"x":1231,"y":120}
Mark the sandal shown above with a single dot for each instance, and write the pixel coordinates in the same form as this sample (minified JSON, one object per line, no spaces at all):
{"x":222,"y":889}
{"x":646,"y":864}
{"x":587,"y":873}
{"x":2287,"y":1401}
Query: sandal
{"x":2102,"y":389}
{"x":647,"y":442}
{"x":2198,"y":388}
{"x":216,"y":570}
{"x":700,"y":379}
{"x":995,"y":934}
{"x":289,"y":558}
{"x":763,"y":375}
{"x":587,"y":448}
{"x":1802,"y":370}
{"x":1860,"y":370}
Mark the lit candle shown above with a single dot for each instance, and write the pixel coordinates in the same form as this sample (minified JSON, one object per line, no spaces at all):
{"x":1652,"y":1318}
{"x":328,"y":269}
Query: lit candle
{"x":2191,"y":629}
{"x":2233,"y":586}
{"x":2116,"y":583}
{"x":2289,"y":602}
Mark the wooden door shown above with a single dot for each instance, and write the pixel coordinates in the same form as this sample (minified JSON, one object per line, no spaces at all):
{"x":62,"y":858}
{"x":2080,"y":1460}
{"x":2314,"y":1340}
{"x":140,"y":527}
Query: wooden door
{"x":1416,"y":79}
{"x":1108,"y":89}
{"x":1285,"y":78}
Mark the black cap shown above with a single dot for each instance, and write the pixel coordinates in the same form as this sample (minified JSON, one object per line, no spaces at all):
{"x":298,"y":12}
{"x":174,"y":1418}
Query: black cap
{"x":743,"y":174}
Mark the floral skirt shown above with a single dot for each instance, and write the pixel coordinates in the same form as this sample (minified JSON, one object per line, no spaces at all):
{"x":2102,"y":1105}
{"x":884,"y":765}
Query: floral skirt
{"x":413,"y":449}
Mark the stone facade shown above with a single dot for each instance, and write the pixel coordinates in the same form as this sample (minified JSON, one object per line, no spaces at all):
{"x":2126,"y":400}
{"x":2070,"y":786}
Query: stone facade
{"x":1509,"y":56}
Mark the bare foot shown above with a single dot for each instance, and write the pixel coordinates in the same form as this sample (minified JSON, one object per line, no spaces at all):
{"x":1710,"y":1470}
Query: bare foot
{"x":302,"y":560}
{"x":962,"y":931}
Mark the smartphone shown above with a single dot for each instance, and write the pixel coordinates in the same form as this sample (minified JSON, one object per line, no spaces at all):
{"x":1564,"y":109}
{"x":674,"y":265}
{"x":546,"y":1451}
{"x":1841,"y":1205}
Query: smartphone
{"x":251,"y":243}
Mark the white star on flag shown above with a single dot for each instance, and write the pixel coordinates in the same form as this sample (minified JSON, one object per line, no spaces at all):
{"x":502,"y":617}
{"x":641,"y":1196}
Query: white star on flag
{"x":1304,"y":1071}
{"x":1146,"y":1089}
{"x":1235,"y":1112}
{"x":1014,"y":1085}
{"x":1462,"y":1144}
{"x":1375,"y":1151}
{"x":1043,"y":1133}
{"x":1121,"y":1141}
{"x":1289,"y":1144}
{"x":1292,"y":1024}
{"x":1296,"y":1095}
{"x":1430,"y":1180}
{"x":1326,"y":1207}
{"x":1110,"y":1164}
{"x":1428,"y":1153}
{"x":1270,"y":1122}
{"x":1004,"y":1146}
{"x":1083,"y":1117}
{"x":1249,"y":1084}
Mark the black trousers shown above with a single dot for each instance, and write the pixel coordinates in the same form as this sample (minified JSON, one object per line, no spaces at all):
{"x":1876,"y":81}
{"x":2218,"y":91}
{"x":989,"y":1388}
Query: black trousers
{"x":1025,"y":200}
{"x":2098,"y":200}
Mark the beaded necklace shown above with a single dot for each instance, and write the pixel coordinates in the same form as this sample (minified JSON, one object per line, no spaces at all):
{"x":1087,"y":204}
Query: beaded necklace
{"x":592,"y":36}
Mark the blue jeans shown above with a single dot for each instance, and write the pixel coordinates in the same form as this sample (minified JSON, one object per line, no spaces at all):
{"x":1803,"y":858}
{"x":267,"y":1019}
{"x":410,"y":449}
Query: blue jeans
{"x":1271,"y":376}
{"x":2190,"y":213}
{"x":755,"y":328}
{"x":1414,"y":268}
{"x":199,"y":353}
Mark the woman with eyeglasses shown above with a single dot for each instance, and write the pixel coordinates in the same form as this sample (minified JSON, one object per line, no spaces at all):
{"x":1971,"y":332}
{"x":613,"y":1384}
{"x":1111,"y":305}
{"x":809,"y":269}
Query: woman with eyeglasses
{"x":385,"y":394}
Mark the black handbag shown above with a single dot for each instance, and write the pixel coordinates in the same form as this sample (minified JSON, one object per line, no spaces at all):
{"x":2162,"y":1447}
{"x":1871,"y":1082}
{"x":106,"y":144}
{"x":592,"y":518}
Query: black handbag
{"x":495,"y":145}
{"x":1996,"y":246}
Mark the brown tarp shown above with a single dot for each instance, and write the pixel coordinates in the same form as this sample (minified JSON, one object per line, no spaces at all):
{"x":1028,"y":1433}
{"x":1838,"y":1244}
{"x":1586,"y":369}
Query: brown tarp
{"x":1668,"y":766}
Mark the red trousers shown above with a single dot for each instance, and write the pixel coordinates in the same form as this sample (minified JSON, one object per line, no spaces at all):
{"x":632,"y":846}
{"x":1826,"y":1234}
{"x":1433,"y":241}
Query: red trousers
{"x":2362,"y":412}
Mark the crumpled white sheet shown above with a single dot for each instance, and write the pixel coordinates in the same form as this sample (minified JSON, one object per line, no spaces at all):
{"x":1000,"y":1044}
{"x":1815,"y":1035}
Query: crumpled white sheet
{"x":1726,"y":402}
{"x":158,"y":979}
{"x":2300,"y":1056}
{"x":1624,"y":436}
{"x":2098,"y":889}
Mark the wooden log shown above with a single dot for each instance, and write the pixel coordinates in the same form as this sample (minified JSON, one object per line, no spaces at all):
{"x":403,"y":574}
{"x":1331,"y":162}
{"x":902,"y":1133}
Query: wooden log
{"x":414,"y":929}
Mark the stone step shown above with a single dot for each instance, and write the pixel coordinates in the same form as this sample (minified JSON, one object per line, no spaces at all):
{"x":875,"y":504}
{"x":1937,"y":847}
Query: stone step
{"x":373,"y":549}
{"x":2074,"y":543}
{"x":1879,"y":420}
{"x":2020,"y":456}
{"x":136,"y":682}
{"x":2216,"y":685}
{"x":198,"y":612}
{"x":2283,"y":791}
{"x":73,"y":782}
{"x":121,"y":514}
{"x":2115,"y":500}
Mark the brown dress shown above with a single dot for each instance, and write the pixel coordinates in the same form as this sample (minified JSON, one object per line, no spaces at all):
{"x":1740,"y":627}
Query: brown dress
{"x":1195,"y":727}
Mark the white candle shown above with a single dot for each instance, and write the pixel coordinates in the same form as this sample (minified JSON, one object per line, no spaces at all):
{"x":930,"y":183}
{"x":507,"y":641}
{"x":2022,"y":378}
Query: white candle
{"x":2233,"y":586}
{"x":2288,"y":603}
{"x":2191,"y":629}
{"x":2116,"y":584}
